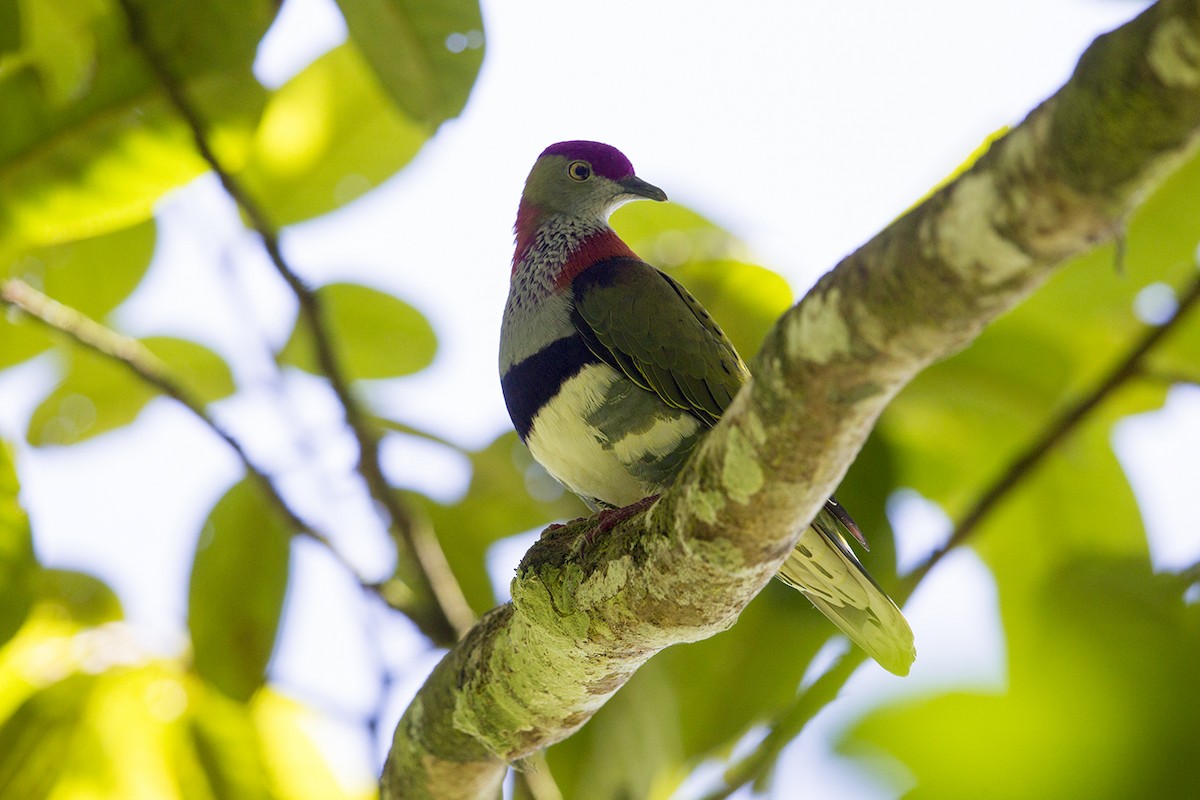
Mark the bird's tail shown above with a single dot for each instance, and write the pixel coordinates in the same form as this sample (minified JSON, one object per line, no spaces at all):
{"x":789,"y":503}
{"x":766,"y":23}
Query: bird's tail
{"x":827,"y":572}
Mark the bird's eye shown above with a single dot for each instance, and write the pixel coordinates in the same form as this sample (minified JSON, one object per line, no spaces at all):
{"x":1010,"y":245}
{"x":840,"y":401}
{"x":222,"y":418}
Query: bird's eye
{"x":579,"y":170}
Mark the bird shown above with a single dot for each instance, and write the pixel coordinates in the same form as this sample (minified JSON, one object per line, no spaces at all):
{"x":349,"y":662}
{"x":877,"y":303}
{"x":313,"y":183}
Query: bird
{"x":612,"y":372}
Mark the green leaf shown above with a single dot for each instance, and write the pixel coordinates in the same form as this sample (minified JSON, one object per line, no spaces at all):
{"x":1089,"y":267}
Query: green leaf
{"x":290,"y":751}
{"x":375,"y":335}
{"x":202,"y":373}
{"x":1165,"y":233}
{"x":90,"y":141}
{"x":238,"y":582}
{"x":10,"y":28}
{"x":630,"y":748}
{"x":745,"y":299}
{"x":327,"y":136}
{"x":38,"y":740}
{"x":57,"y":40}
{"x":226,"y":745}
{"x":426,"y":55}
{"x":99,"y":395}
{"x":18,"y":566}
{"x":1105,"y":708}
{"x":84,"y":599}
{"x":1101,"y":686}
{"x":92,"y":276}
{"x":669,"y":234}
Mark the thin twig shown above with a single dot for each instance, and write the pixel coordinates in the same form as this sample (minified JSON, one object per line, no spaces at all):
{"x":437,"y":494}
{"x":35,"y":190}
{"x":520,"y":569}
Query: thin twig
{"x":533,"y":781}
{"x":433,"y":568}
{"x":136,"y":357}
{"x":756,"y":765}
{"x":1127,"y":368}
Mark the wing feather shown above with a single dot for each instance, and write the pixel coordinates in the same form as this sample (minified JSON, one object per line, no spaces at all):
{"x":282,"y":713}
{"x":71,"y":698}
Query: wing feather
{"x":645,"y":324}
{"x":827,"y":572}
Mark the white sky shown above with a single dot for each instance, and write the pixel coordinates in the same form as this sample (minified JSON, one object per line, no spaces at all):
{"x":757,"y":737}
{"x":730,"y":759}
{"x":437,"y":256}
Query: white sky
{"x":802,"y":127}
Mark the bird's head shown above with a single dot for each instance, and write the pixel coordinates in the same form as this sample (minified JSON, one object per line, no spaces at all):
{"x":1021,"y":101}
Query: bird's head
{"x":583,"y":180}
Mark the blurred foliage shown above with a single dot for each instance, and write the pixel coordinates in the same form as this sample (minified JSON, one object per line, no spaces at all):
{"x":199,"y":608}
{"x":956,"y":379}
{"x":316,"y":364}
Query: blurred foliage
{"x":326,"y":137}
{"x":18,"y":568}
{"x":431,"y":74}
{"x":1102,"y":651}
{"x":1101,"y":697}
{"x":86,"y":712}
{"x":92,"y":276}
{"x":90,"y":144}
{"x":1104,"y":707}
{"x":239,"y":578}
{"x":97,"y":395}
{"x":89,"y":141}
{"x":377,"y":335}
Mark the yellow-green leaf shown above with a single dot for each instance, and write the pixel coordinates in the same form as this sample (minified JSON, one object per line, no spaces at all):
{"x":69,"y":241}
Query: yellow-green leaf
{"x":202,"y":373}
{"x":18,"y":567}
{"x":426,"y":55}
{"x":223,"y":735}
{"x":375,"y":335}
{"x":98,"y":395}
{"x":289,"y":733}
{"x":327,"y":136}
{"x":84,"y":599}
{"x":92,"y":275}
{"x":36,"y":742}
{"x":10,"y":31}
{"x":239,"y":578}
{"x":743,"y":298}
{"x":90,"y":141}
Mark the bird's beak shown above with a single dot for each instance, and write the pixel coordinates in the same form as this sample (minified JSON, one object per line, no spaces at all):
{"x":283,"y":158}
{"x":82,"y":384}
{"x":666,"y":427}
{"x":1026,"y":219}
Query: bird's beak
{"x":640,"y":188}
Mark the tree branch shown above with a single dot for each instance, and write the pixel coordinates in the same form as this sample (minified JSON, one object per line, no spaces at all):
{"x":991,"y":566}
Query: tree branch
{"x":1170,"y":377}
{"x":439,"y":607}
{"x":585,"y":616}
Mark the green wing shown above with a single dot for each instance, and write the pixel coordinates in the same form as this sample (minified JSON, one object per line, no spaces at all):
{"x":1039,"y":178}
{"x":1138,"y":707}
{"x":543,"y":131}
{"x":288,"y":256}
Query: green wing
{"x":645,"y":324}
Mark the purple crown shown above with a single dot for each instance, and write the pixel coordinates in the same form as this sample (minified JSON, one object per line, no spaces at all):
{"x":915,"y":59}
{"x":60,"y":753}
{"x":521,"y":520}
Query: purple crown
{"x":605,"y":159}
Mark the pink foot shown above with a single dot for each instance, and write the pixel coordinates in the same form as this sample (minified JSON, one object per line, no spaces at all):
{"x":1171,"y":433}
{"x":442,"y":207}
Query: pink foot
{"x":609,"y":518}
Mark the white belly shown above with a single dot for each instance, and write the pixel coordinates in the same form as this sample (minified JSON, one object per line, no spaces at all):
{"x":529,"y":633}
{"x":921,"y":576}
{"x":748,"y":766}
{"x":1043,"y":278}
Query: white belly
{"x":604,"y":438}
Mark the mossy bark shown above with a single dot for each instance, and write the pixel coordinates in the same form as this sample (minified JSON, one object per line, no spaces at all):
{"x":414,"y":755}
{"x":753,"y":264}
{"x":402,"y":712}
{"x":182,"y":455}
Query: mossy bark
{"x":587,"y":613}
